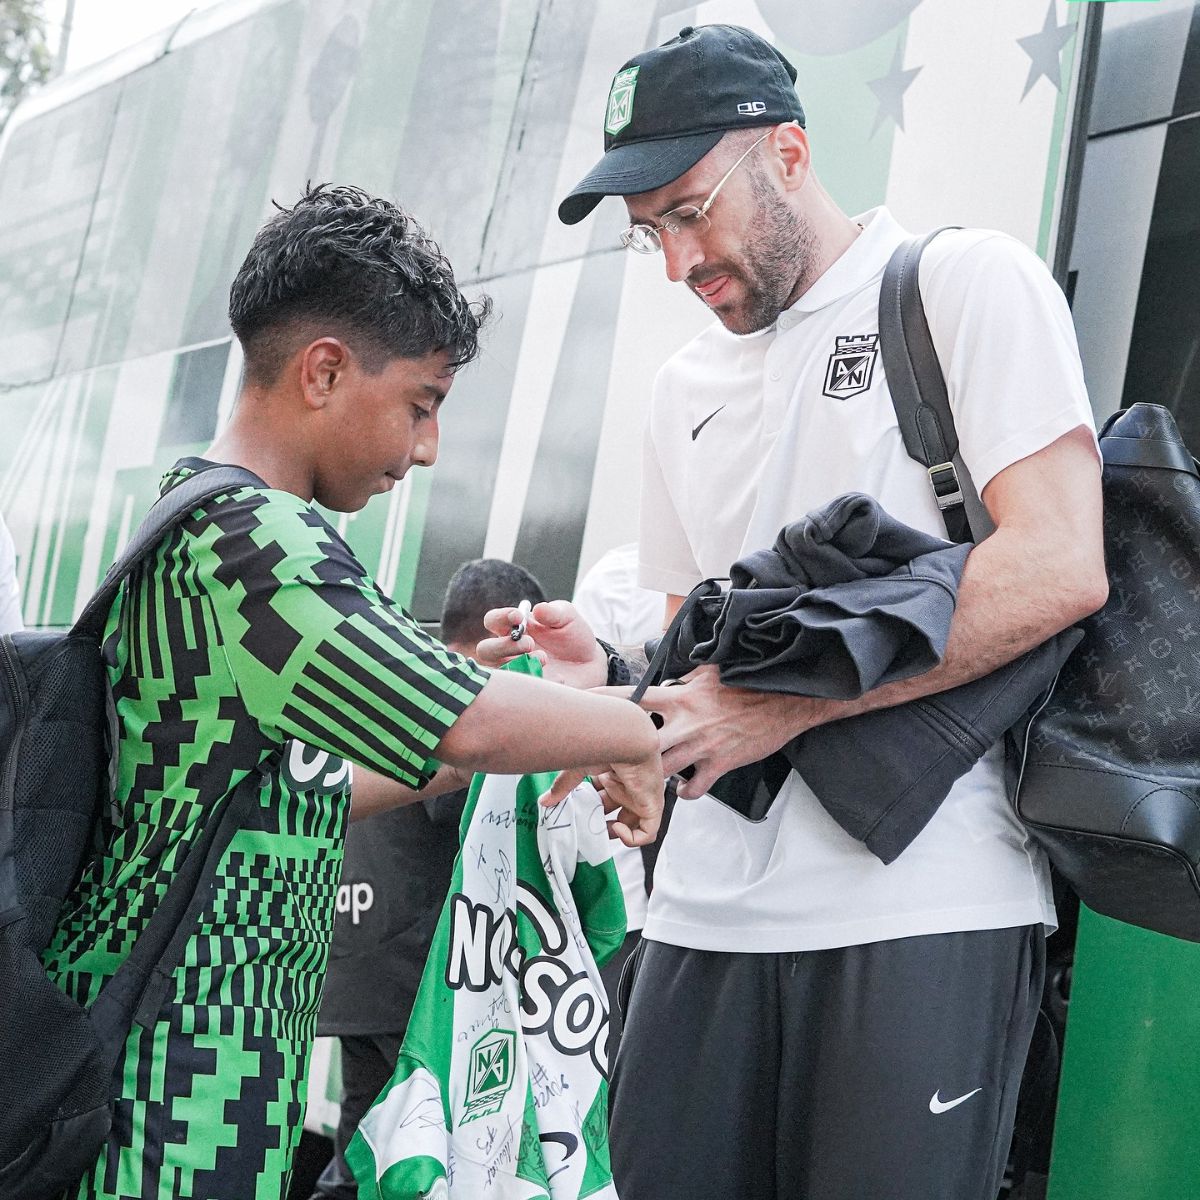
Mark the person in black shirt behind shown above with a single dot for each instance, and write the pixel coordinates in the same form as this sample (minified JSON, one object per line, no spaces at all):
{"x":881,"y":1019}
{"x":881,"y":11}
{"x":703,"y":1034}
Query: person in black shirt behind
{"x":394,"y":881}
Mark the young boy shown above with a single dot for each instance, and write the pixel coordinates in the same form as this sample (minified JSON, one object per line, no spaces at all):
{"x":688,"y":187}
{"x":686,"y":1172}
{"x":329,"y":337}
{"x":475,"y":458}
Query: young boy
{"x":253,"y":641}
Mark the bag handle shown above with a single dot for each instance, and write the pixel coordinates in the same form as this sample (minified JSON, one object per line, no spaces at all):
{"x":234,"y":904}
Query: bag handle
{"x":917,"y":386}
{"x":167,"y":512}
{"x":667,"y":644}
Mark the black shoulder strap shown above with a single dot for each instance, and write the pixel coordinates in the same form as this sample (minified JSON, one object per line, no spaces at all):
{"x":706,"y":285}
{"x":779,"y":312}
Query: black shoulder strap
{"x":167,"y":512}
{"x":138,"y":987}
{"x":139,"y":984}
{"x":665,"y":651}
{"x":916,"y":383}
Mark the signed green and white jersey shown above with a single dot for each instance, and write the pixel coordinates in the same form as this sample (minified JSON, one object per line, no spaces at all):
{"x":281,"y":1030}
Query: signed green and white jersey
{"x":501,"y":1089}
{"x":251,"y":639}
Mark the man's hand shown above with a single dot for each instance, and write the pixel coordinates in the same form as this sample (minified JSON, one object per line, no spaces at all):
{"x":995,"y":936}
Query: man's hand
{"x":556,"y":635}
{"x":716,"y":728}
{"x":632,"y":790}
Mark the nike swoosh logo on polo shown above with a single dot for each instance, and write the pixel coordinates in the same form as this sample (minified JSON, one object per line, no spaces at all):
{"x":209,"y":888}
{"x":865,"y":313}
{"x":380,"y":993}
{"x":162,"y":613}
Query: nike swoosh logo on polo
{"x":696,"y":431}
{"x":937,"y":1105}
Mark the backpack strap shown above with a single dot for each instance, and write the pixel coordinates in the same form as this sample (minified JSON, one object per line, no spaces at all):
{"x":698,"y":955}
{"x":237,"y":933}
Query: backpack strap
{"x":918,"y":389}
{"x":139,"y":986}
{"x":167,"y":512}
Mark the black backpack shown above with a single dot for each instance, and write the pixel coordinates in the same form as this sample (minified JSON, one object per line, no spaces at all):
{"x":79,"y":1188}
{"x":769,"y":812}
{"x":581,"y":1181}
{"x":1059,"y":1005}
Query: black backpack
{"x":56,"y":1081}
{"x":1105,"y":772}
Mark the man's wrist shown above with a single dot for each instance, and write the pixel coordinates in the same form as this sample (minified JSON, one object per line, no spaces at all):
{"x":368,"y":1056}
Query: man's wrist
{"x":777,"y":717}
{"x":809,"y":712}
{"x":619,"y":671}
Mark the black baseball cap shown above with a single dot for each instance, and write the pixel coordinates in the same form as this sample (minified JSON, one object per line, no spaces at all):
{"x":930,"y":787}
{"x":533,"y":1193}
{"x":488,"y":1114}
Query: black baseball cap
{"x":667,"y":108}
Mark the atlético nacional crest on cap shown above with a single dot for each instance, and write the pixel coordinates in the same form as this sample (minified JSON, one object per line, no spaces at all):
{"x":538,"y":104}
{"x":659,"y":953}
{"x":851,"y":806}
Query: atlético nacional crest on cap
{"x":851,"y":366}
{"x":620,"y":101}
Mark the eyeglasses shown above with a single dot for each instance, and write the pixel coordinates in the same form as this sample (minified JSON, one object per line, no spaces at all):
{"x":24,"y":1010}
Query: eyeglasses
{"x":646,"y":237}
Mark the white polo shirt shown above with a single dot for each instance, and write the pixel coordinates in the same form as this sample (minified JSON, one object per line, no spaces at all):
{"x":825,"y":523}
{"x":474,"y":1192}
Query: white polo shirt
{"x":747,"y":433}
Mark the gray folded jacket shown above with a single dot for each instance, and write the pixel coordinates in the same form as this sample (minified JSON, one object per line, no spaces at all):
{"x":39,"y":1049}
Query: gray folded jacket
{"x":846,"y":600}
{"x":849,"y":599}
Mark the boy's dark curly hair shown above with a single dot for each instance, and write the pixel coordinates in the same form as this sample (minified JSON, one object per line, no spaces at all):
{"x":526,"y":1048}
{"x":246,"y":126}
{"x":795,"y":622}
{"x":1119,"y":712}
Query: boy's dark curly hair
{"x":346,"y":263}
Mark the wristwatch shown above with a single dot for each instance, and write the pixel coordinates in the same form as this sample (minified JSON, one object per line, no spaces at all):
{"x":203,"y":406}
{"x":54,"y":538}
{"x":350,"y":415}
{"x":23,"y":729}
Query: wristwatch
{"x":619,"y":673}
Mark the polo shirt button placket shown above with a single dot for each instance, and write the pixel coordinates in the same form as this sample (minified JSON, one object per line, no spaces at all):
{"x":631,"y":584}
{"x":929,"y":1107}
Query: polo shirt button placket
{"x":773,"y":401}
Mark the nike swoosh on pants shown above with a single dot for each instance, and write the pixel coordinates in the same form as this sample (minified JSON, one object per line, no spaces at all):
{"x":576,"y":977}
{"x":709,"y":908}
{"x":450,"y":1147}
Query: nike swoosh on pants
{"x":938,"y":1105}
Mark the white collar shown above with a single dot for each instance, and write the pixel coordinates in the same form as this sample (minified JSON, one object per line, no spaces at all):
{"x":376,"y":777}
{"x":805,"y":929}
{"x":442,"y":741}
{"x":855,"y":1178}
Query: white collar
{"x":862,"y":261}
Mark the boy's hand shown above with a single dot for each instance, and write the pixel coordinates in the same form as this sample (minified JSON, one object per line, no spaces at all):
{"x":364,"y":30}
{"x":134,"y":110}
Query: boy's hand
{"x":556,"y":635}
{"x":632,"y":790}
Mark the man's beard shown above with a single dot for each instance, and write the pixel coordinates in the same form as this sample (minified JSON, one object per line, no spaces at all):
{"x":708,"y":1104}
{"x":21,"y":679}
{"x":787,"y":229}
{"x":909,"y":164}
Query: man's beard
{"x":778,"y":257}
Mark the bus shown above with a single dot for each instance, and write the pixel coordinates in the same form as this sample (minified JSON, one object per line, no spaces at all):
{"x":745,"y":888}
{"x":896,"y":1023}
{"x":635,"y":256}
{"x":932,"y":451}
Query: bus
{"x":130,"y":191}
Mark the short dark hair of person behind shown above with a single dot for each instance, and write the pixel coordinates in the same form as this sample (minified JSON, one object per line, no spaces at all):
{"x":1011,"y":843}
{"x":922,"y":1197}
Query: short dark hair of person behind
{"x":345,"y":263}
{"x":478,"y":586}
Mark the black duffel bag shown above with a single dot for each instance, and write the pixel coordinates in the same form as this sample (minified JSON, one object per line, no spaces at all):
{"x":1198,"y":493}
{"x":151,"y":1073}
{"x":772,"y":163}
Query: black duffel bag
{"x":1109,"y":781}
{"x":1105,"y":773}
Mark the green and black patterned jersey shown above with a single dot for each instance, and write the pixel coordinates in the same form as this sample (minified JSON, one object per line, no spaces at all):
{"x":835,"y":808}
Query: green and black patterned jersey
{"x":251,"y":637}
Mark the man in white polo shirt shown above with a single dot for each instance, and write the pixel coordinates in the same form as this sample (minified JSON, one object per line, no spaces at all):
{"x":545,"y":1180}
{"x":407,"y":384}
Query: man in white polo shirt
{"x":807,"y":1022}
